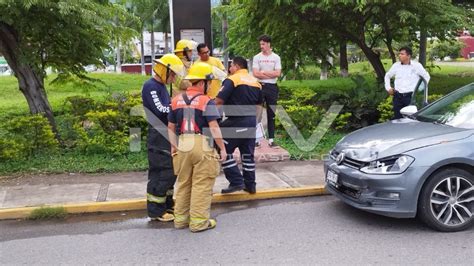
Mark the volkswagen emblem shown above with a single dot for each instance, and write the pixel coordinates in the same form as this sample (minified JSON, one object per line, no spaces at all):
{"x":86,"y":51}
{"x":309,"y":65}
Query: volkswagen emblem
{"x":340,"y":158}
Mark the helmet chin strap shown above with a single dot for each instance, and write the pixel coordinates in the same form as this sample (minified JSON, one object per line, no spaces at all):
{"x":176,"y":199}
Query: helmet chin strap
{"x":167,"y":77}
{"x":205,"y":86}
{"x":185,"y":52}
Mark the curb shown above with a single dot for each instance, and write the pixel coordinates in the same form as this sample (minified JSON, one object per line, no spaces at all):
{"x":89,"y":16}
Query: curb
{"x":140,"y":204}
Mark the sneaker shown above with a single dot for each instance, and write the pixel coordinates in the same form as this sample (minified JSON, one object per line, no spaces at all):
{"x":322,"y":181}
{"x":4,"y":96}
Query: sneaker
{"x":166,"y":217}
{"x":212,"y":224}
{"x":272,"y":144}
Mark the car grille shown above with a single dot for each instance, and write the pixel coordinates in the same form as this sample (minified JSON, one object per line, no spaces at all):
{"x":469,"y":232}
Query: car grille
{"x":349,"y":162}
{"x":351,"y":192}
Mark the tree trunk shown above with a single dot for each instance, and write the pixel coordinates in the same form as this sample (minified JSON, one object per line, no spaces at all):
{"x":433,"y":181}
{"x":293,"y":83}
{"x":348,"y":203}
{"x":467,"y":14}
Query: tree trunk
{"x":166,"y":42}
{"x":324,"y":70}
{"x":343,"y":63}
{"x":152,"y":43}
{"x":390,"y":50}
{"x":224,"y":42}
{"x":31,"y":83}
{"x":374,"y":60}
{"x":423,"y":42}
{"x":142,"y":51}
{"x":118,"y":58}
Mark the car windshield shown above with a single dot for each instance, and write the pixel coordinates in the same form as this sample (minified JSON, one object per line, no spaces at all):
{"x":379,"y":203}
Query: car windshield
{"x":456,"y":109}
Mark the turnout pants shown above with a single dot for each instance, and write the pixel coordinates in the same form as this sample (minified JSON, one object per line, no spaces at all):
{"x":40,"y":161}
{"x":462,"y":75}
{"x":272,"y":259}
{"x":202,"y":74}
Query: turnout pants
{"x":197,"y":167}
{"x":270,"y":97}
{"x":161,"y":178}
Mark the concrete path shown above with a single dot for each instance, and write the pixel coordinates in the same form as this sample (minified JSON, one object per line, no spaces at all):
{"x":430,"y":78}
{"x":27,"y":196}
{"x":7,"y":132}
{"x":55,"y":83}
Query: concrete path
{"x":274,"y":180}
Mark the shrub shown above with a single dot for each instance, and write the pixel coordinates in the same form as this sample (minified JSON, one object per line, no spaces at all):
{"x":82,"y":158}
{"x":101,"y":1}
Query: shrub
{"x":32,"y":134}
{"x":360,"y":100}
{"x":342,"y":121}
{"x":305,"y":118}
{"x":10,"y":149}
{"x":79,"y":105}
{"x":103,"y":132}
{"x":385,"y":107}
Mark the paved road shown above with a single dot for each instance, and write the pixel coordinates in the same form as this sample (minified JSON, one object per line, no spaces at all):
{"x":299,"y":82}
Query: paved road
{"x":317,"y":230}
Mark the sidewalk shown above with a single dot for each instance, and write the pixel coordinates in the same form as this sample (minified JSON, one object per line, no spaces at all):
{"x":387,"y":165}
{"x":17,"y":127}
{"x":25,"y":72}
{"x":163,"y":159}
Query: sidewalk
{"x":80,"y":193}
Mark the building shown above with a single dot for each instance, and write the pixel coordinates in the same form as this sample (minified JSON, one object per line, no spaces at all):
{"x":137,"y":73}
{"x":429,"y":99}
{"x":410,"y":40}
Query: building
{"x":468,"y":50}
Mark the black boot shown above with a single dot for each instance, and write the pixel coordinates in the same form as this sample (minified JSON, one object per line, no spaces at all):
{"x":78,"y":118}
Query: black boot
{"x":231,"y":189}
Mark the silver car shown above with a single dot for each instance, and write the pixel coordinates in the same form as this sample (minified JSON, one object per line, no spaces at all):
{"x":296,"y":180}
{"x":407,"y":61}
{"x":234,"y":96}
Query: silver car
{"x":421,"y":165}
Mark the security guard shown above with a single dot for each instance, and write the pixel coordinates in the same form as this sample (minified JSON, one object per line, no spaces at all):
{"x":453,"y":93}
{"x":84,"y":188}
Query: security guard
{"x":241,"y":96}
{"x":194,"y":117}
{"x":184,"y":50}
{"x":156,"y":102}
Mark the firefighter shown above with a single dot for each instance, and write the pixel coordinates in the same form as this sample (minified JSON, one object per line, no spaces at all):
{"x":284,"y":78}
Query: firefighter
{"x":156,"y":102}
{"x":184,"y":50}
{"x":193,"y":118}
{"x":241,"y":97}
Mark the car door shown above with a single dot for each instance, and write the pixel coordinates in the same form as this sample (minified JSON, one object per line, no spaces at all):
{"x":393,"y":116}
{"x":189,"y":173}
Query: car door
{"x":420,"y":94}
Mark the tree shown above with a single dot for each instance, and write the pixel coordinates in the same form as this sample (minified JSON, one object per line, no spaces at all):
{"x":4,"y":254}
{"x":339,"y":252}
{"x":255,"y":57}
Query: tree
{"x":312,"y":28}
{"x":64,"y":35}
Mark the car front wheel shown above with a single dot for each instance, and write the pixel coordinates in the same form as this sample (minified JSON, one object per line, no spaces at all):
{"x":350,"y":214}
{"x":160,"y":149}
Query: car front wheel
{"x":446,"y":201}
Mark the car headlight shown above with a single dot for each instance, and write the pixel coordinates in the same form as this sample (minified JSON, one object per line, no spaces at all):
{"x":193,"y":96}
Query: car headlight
{"x":389,"y":166}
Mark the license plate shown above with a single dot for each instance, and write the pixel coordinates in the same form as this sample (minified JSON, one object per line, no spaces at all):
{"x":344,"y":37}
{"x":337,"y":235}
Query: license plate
{"x":331,"y":177}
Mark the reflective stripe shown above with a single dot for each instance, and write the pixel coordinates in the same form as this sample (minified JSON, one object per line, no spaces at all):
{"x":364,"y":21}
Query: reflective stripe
{"x":249,"y":169}
{"x":231,"y":161}
{"x":169,"y":192}
{"x":156,"y":199}
{"x":229,"y":166}
{"x":248,"y":164}
{"x":181,"y":218}
{"x":228,"y":161}
{"x":195,"y":220}
{"x":241,"y":130}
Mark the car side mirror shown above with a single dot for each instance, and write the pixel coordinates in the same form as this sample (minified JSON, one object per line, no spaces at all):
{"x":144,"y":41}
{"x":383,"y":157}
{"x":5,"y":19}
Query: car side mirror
{"x":409,"y":110}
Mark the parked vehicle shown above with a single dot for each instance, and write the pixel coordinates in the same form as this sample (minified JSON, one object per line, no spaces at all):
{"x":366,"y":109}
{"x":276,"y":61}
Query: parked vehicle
{"x":421,"y":165}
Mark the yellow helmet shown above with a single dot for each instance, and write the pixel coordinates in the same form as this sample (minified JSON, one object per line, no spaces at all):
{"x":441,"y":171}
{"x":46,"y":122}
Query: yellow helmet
{"x":184,"y":45}
{"x":200,"y":71}
{"x":168,"y":62}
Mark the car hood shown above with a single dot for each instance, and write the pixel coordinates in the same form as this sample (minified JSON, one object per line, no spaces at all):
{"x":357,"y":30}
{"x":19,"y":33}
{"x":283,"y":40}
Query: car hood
{"x":395,"y":137}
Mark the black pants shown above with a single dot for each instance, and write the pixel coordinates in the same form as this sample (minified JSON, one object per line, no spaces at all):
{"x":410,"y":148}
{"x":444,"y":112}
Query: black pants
{"x":161,"y":177}
{"x":400,"y":100}
{"x":270,"y":97}
{"x":231,"y":170}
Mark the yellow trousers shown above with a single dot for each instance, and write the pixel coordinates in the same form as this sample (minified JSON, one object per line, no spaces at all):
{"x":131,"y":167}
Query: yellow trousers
{"x":197,"y":167}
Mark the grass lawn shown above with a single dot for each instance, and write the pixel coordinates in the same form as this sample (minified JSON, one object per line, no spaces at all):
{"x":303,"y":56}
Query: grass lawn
{"x":74,"y":162}
{"x":13,"y":102}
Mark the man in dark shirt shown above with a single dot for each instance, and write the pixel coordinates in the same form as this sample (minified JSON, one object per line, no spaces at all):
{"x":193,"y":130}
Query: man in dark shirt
{"x":156,"y":102}
{"x":240,"y":95}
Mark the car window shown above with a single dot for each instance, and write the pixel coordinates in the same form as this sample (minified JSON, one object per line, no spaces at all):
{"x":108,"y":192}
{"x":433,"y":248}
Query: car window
{"x":420,"y":94}
{"x":455,"y":109}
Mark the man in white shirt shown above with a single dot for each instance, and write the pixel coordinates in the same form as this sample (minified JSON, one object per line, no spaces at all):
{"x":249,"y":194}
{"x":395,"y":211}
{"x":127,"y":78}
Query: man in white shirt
{"x":407,"y":74}
{"x":267,"y":68}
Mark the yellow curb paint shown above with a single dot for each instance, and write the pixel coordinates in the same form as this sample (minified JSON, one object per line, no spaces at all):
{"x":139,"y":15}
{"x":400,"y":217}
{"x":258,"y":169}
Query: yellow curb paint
{"x":270,"y":194}
{"x":140,"y":204}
